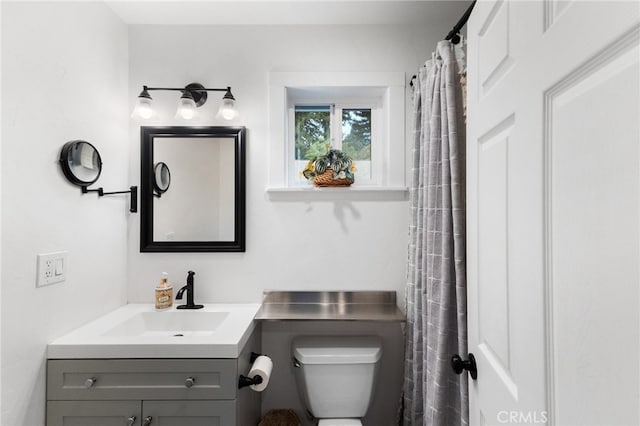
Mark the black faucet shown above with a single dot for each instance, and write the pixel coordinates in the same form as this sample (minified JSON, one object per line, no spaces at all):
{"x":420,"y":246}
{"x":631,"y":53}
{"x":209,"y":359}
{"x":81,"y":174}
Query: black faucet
{"x":189,"y":288}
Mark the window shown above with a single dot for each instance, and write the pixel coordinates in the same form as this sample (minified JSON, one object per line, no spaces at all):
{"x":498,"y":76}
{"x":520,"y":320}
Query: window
{"x":312,"y":131}
{"x":361,"y":113}
{"x":318,"y":127}
{"x":356,"y":130}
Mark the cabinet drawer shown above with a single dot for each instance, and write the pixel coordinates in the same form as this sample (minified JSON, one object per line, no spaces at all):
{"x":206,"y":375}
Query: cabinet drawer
{"x":100,"y":379}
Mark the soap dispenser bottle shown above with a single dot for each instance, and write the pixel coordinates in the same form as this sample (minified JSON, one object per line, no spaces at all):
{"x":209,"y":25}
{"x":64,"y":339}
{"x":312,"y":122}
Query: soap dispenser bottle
{"x":164,"y":293}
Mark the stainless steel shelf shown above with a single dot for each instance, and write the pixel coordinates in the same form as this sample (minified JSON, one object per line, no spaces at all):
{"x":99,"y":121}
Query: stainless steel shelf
{"x":330,"y":305}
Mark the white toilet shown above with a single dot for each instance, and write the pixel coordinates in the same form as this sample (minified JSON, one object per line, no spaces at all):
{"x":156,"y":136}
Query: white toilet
{"x":336,"y":376}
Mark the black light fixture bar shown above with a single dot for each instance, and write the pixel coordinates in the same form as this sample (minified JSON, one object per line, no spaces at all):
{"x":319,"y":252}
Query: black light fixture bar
{"x":182,"y":89}
{"x":193,"y":95}
{"x":196,"y":90}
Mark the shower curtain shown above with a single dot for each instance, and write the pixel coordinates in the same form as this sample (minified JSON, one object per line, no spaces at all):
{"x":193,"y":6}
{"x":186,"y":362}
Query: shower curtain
{"x":436,"y":281}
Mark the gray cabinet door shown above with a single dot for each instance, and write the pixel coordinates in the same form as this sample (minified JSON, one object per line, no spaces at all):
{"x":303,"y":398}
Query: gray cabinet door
{"x":94,"y":413}
{"x":189,"y":413}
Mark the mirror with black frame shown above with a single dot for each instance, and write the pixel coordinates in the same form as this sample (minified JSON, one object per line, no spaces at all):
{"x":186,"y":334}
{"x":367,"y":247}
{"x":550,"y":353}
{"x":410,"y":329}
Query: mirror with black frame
{"x":80,"y":162}
{"x":204,"y":209}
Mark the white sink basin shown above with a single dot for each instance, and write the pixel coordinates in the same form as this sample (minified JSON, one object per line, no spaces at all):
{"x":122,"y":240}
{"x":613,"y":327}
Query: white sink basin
{"x":173,"y":324}
{"x":138,"y":331}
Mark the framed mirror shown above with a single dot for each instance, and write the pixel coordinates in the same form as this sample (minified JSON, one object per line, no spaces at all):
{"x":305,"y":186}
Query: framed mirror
{"x":204,"y":211}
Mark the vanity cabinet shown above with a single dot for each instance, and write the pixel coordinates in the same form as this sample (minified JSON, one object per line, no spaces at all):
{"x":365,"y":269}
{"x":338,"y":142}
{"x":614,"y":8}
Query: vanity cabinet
{"x":152,"y":392}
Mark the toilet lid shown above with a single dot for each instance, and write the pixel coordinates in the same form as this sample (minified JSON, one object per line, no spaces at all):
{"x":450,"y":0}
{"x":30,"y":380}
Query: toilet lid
{"x":337,"y":349}
{"x":339,"y":422}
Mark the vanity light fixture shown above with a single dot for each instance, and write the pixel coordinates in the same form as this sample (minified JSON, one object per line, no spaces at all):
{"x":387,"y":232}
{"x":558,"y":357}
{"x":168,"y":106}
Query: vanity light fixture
{"x":194,"y":95}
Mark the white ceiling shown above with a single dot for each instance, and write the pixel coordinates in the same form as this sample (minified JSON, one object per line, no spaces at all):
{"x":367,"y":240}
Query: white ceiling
{"x":291,"y":12}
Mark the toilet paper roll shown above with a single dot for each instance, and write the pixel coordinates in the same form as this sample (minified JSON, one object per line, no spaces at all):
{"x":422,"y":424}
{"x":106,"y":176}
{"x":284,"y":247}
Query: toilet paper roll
{"x":262,"y":367}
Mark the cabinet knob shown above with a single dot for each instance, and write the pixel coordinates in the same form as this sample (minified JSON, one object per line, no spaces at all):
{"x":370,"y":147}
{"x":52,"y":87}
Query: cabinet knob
{"x":189,"y":381}
{"x":147,"y":421}
{"x":90,"y":382}
{"x":131,"y":420}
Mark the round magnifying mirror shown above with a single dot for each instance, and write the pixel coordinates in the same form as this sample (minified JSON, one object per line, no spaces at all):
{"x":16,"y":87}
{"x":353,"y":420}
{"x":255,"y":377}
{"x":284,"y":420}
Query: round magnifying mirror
{"x":162,"y":177}
{"x":81,"y":162}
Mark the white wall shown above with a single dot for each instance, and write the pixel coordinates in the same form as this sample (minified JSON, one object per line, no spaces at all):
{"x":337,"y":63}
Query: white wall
{"x":64,"y":77}
{"x":327,"y":245}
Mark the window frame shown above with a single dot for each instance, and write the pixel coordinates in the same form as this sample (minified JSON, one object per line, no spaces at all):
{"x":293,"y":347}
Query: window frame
{"x":387,"y":88}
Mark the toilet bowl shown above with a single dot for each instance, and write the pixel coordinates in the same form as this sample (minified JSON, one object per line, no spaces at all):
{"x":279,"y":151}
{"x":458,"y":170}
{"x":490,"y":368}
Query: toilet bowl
{"x":336,"y":376}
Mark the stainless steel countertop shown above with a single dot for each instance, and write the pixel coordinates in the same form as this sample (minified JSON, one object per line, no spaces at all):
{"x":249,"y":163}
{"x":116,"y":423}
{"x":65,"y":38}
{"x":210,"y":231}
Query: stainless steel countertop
{"x":330,"y":305}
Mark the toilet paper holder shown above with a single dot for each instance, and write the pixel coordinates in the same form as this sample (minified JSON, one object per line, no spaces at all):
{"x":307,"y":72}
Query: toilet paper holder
{"x":244,"y":381}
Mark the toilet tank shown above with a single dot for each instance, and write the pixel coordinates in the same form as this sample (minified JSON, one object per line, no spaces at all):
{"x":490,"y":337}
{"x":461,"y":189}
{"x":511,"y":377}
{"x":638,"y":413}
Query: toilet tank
{"x":336,"y":375}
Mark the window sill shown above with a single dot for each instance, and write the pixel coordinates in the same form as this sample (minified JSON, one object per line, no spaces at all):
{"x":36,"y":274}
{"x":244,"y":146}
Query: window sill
{"x":363,"y":193}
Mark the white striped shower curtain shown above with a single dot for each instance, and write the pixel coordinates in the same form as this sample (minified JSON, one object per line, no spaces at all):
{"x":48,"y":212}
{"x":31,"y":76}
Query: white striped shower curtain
{"x":436,"y":282}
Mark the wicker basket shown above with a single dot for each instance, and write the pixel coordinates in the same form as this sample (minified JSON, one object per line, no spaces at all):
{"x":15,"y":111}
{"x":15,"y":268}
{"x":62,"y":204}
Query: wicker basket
{"x":280,"y":417}
{"x":326,"y":179}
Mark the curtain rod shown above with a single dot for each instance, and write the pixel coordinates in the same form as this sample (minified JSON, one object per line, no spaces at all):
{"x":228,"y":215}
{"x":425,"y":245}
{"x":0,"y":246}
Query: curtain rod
{"x":454,"y":34}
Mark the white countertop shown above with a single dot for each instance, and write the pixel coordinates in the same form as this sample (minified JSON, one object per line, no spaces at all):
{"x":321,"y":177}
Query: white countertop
{"x":121,"y":334}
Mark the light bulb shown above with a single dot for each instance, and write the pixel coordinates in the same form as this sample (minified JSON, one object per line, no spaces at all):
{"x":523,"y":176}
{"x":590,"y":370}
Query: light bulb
{"x":228,"y":110}
{"x":143,"y":108}
{"x":186,"y":107}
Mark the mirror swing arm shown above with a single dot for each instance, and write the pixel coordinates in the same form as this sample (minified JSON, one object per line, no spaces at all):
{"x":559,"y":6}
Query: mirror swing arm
{"x":133,"y":190}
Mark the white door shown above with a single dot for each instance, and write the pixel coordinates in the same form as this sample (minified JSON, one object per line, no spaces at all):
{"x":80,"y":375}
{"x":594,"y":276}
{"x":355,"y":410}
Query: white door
{"x":553,"y":212}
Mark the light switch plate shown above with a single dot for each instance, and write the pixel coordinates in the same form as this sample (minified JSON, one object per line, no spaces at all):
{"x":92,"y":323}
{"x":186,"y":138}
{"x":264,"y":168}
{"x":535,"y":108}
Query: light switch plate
{"x":52,"y":268}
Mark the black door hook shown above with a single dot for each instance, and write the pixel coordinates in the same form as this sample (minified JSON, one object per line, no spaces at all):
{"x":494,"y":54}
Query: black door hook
{"x":459,"y":365}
